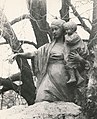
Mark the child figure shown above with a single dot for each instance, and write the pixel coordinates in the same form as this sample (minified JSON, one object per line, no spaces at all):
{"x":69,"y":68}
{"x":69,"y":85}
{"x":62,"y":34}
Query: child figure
{"x":74,"y":45}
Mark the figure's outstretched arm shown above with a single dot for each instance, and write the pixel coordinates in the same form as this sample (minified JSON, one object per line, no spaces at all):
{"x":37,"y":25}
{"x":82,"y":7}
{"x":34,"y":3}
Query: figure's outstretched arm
{"x":26,"y":55}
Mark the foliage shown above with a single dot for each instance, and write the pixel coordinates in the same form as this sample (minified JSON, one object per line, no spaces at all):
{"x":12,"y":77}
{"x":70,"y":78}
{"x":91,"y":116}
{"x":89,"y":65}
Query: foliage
{"x":11,"y":98}
{"x":90,"y":104}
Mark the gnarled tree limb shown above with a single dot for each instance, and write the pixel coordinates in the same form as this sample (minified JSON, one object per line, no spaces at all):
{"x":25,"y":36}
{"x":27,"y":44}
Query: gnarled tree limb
{"x":22,"y":17}
{"x":79,"y":17}
{"x":45,"y":29}
{"x":26,"y":75}
{"x":22,"y":42}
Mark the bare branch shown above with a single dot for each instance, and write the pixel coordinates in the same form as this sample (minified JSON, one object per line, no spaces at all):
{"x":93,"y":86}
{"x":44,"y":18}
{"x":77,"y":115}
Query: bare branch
{"x":87,"y":19}
{"x":26,"y":75}
{"x":3,"y":43}
{"x":79,"y":17}
{"x":92,"y":42}
{"x":24,"y":16}
{"x":41,"y":28}
{"x":22,"y":42}
{"x":28,"y":16}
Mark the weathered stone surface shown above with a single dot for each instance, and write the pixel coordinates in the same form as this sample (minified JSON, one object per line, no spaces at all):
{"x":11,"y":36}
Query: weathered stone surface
{"x":43,"y":110}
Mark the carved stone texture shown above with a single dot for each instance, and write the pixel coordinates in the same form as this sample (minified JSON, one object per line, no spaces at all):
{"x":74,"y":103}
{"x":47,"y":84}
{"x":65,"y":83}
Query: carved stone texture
{"x":45,"y":110}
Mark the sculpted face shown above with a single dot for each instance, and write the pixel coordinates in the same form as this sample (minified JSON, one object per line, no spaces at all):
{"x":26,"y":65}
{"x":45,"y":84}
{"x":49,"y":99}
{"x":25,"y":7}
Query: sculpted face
{"x":57,"y":31}
{"x":57,"y":28}
{"x":70,"y":27}
{"x":69,"y":31}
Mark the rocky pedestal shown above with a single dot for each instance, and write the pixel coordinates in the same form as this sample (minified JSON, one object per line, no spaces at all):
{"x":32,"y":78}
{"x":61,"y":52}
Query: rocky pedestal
{"x":44,"y":110}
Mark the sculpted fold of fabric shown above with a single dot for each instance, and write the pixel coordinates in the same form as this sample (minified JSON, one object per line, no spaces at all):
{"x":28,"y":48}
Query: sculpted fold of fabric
{"x":52,"y":75}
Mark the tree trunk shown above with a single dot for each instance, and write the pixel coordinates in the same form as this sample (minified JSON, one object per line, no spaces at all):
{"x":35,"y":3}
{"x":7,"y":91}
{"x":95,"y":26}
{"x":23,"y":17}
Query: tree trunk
{"x":94,"y":22}
{"x":26,"y":75}
{"x":64,"y":12}
{"x":93,"y":36}
{"x":92,"y":85}
{"x":37,"y":9}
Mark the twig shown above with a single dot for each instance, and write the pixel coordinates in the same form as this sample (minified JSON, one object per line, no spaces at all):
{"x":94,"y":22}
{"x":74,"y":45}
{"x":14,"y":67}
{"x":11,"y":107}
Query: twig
{"x":79,"y":17}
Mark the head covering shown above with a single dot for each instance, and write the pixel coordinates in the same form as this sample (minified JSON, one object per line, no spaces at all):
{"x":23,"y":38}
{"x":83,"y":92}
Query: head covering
{"x":58,"y":22}
{"x":70,"y":25}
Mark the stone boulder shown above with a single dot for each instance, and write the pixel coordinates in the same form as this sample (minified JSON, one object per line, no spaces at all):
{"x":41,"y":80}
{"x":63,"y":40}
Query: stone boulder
{"x":44,"y":110}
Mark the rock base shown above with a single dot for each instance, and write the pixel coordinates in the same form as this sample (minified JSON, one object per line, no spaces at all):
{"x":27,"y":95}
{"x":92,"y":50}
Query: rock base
{"x":44,"y":110}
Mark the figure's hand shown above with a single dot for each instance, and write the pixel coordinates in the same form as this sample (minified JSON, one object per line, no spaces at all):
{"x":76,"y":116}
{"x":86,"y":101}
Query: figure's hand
{"x":12,"y":58}
{"x":74,"y":56}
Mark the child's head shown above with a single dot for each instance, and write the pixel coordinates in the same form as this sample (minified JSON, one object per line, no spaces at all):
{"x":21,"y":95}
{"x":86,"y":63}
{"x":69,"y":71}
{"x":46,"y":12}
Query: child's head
{"x":70,"y":27}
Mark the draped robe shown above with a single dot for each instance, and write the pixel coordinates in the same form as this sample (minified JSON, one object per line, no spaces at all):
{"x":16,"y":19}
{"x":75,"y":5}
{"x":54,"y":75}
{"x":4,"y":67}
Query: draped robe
{"x":52,"y":75}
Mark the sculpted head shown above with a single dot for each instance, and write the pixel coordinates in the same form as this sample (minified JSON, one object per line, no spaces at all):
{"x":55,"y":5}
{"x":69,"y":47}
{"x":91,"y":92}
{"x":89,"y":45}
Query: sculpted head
{"x":57,"y":28}
{"x":70,"y":27}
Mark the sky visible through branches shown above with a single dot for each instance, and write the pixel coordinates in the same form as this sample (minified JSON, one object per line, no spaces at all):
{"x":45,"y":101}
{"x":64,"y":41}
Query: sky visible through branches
{"x":23,"y":29}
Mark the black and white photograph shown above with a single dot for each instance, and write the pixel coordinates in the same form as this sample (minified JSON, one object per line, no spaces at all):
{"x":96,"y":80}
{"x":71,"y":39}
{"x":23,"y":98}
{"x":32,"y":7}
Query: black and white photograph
{"x":48,"y":59}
